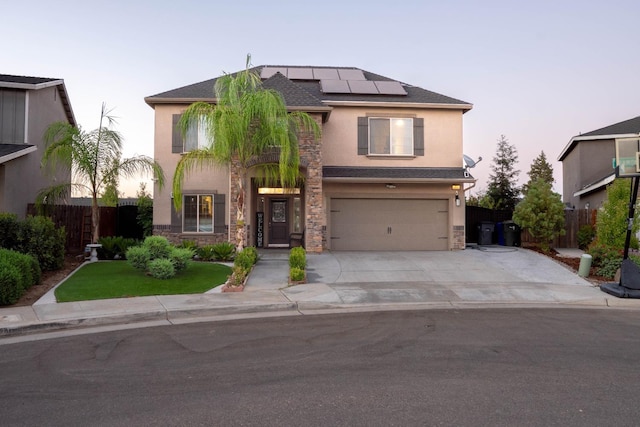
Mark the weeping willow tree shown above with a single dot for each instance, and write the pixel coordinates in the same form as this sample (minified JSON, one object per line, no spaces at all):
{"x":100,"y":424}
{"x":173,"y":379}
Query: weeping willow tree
{"x":95,"y":161}
{"x":246,"y":122}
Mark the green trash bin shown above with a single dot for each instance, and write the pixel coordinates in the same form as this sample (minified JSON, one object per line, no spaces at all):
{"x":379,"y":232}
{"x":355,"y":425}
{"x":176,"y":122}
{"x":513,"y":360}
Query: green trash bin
{"x":512,"y":233}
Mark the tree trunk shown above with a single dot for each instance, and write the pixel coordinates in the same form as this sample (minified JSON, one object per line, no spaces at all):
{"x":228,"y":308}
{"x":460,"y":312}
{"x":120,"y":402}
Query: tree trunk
{"x":240,"y":224}
{"x":95,"y":220}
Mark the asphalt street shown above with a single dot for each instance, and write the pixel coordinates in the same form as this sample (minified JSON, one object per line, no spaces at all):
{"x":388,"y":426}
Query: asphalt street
{"x":498,"y":367}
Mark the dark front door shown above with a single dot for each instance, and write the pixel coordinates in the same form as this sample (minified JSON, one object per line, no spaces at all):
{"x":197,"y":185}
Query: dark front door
{"x":278,"y":222}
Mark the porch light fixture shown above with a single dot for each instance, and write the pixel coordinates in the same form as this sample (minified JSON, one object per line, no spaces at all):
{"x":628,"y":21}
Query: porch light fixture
{"x":390,"y":186}
{"x":455,"y":187}
{"x":457,"y":199}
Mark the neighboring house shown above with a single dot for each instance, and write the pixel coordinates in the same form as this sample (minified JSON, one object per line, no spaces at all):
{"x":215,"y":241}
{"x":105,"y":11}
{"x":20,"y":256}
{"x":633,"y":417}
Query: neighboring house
{"x":387,"y":172}
{"x":28,"y":105}
{"x":588,"y":164}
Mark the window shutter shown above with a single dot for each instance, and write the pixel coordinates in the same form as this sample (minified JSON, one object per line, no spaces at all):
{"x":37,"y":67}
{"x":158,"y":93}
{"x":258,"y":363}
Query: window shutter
{"x":363,"y":136}
{"x":219,"y":214}
{"x":176,"y":220}
{"x":176,"y":142}
{"x":418,"y":137}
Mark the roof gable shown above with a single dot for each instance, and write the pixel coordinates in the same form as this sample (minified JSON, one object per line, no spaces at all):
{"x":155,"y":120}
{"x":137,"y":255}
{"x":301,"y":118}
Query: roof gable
{"x":629,"y":127}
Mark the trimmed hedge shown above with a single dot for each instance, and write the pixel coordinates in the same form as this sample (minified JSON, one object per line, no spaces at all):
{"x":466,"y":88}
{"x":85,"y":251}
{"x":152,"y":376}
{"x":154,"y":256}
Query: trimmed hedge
{"x":18,"y":272}
{"x":35,"y":235}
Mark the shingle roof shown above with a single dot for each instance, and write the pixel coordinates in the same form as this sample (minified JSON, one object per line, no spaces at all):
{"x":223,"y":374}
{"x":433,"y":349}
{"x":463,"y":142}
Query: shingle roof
{"x":394,"y":173}
{"x":36,"y":83}
{"x":25,"y":79}
{"x":300,"y":91}
{"x":625,"y":127}
{"x":12,"y":151}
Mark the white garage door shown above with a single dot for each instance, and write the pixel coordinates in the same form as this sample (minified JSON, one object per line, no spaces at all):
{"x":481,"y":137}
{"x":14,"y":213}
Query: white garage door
{"x":389,"y":224}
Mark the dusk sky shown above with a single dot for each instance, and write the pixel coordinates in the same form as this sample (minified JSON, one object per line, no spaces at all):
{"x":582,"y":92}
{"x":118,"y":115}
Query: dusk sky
{"x":537,"y":72}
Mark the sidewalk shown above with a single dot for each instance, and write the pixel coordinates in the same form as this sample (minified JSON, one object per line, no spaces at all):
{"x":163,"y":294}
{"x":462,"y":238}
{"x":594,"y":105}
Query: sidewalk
{"x":342,"y":282}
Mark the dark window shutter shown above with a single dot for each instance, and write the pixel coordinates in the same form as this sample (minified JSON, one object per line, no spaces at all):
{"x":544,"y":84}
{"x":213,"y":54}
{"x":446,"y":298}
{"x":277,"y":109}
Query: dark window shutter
{"x":418,"y":137}
{"x":176,"y":142}
{"x":363,"y":136}
{"x":176,"y":220}
{"x":219,"y":214}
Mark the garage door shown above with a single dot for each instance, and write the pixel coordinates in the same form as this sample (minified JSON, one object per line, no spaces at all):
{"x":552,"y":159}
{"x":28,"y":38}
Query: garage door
{"x":389,"y":224}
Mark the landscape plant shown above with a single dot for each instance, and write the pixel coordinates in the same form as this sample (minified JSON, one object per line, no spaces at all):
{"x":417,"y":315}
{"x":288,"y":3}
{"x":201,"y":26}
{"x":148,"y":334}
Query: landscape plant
{"x":95,"y":161}
{"x":224,"y":251}
{"x":156,"y":248}
{"x":541,"y":212}
{"x":297,"y":264}
{"x":18,"y":272}
{"x":206,"y":253}
{"x":612,"y":219}
{"x":246,"y":122}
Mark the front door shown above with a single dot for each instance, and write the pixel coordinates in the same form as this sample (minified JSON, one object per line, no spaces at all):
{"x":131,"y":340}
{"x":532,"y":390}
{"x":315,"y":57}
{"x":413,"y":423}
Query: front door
{"x":278,"y":222}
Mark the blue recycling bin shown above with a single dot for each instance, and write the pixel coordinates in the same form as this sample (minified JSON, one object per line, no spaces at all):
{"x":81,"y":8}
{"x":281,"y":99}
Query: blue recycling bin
{"x":500,"y":233}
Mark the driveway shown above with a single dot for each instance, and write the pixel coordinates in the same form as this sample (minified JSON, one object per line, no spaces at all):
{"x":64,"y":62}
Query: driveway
{"x":487,"y":265}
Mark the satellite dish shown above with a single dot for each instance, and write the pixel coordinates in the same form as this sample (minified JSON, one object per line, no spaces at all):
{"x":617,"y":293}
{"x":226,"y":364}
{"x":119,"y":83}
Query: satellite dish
{"x":469,"y":161}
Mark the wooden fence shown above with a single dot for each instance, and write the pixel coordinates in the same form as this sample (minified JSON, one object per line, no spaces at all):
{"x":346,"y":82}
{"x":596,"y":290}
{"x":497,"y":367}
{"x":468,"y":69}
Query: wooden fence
{"x":573,"y":220}
{"x":114,"y":221}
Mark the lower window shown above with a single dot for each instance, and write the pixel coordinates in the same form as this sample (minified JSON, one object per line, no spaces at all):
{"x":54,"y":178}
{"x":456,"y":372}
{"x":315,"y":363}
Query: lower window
{"x":198,"y":213}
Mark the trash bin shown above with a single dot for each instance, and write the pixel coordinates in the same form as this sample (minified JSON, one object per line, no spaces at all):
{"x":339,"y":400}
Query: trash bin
{"x":511,"y":234}
{"x":500,"y":233}
{"x":485,"y":233}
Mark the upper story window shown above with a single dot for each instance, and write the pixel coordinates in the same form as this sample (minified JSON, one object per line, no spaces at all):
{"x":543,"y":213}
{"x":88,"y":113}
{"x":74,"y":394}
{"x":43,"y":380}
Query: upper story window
{"x":390,"y":136}
{"x":196,"y":137}
{"x":12,"y":116}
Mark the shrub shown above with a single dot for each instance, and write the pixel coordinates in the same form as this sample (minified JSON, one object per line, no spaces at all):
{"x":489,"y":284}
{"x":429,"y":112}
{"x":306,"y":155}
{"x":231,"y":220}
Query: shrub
{"x":600,"y":253}
{"x":244,"y":259}
{"x":123,"y":244}
{"x":206,"y":253}
{"x":10,"y":284}
{"x":189,"y":244}
{"x":162,"y":268}
{"x":9,"y":229}
{"x":180,"y":258}
{"x":296,"y":274}
{"x":223,"y":251}
{"x":23,"y":271}
{"x":158,"y":246}
{"x":39,"y":237}
{"x":138,"y":257}
{"x":609,"y":267}
{"x":586,"y":234}
{"x":252,"y":252}
{"x":109,"y":247}
{"x":237,"y":276}
{"x":297,"y":258}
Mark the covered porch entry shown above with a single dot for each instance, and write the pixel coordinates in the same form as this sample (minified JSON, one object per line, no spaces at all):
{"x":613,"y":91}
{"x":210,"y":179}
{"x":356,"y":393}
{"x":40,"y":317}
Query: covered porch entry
{"x":279,"y":216}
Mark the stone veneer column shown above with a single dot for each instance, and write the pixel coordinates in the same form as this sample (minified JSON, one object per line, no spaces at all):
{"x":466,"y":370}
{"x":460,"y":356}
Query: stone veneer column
{"x":311,"y":154}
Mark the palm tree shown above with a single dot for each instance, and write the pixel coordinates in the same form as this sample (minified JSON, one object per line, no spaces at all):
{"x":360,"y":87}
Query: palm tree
{"x":94,"y":159}
{"x":246,"y":122}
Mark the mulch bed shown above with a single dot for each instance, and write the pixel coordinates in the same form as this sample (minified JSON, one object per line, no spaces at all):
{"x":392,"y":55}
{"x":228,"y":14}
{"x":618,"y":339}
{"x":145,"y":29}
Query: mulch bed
{"x":572,"y":263}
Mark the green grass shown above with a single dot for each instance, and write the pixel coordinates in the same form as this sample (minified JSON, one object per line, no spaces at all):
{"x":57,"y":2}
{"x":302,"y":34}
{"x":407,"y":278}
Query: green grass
{"x":117,"y":279}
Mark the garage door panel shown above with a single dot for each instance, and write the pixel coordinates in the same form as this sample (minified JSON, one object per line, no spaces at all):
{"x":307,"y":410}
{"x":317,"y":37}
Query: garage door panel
{"x":389,"y":224}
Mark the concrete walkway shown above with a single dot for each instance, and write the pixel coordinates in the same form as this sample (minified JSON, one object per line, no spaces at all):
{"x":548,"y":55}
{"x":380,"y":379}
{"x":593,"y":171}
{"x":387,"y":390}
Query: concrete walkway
{"x":342,"y":282}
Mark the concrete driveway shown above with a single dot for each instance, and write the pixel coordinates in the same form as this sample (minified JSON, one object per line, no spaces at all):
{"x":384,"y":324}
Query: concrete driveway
{"x":487,"y":264}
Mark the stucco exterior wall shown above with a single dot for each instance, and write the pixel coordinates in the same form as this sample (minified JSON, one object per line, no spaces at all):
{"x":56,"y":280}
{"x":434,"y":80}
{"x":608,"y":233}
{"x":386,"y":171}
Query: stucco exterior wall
{"x":442,"y":138}
{"x":23,"y":177}
{"x":208,"y":178}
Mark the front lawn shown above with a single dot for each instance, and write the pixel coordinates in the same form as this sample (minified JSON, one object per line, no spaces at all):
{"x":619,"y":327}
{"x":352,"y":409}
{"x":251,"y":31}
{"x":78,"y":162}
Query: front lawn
{"x":117,"y":279}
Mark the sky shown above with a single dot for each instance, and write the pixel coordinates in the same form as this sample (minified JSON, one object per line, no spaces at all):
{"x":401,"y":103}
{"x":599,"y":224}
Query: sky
{"x":537,"y":72}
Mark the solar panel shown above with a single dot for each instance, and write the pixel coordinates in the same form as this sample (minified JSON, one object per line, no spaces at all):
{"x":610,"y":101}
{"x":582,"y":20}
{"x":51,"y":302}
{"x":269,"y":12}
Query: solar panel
{"x":300,"y":73}
{"x":334,"y":86}
{"x":390,"y":88}
{"x":325,"y":73}
{"x":362,"y":87}
{"x":270,"y":71}
{"x":350,"y":74}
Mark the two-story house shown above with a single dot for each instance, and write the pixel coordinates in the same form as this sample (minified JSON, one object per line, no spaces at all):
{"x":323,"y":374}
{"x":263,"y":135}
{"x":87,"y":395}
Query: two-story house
{"x":28,"y":105}
{"x":387,"y":172}
{"x":588,"y":163}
